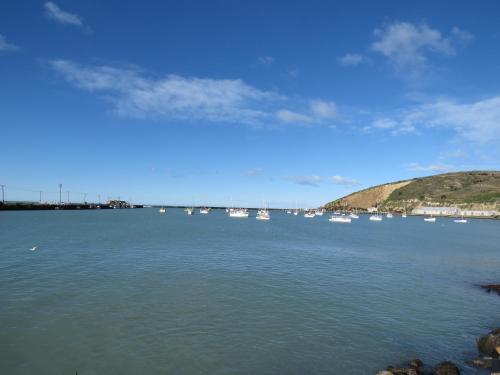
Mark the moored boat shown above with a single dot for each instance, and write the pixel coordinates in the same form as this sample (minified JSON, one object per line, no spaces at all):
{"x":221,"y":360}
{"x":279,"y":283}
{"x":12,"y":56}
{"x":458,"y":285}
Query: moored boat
{"x":340,"y":219}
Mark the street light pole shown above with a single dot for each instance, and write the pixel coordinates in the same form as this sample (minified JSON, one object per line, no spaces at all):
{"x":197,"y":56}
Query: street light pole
{"x":3,"y":197}
{"x":40,"y":196}
{"x":60,"y":192}
{"x":68,"y":196}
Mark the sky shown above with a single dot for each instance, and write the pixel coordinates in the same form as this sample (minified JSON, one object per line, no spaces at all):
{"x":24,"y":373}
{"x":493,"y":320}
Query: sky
{"x":283,"y":103}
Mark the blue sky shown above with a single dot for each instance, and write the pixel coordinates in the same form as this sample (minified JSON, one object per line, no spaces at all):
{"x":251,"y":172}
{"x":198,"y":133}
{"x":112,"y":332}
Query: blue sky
{"x":207,"y":102}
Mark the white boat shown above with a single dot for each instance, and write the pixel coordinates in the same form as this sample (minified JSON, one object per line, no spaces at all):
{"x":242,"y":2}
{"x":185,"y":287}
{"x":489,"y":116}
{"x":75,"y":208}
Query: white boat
{"x":238,"y":212}
{"x":288,"y":211}
{"x":403,"y":216}
{"x":204,"y":210}
{"x":190,"y":211}
{"x":461,"y":221}
{"x":352,"y":215}
{"x":340,"y":219}
{"x":309,"y":214}
{"x":295,"y":213}
{"x":430,"y":219}
{"x":389,"y":215}
{"x":263,"y":215}
{"x":319,"y":213}
{"x":375,"y":218}
{"x":162,"y":210}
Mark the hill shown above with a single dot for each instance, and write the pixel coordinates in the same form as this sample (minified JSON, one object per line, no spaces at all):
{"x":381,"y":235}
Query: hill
{"x":476,"y":190}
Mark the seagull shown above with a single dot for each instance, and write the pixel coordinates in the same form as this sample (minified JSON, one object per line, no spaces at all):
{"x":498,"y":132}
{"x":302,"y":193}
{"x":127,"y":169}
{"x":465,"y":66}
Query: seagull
{"x":33,"y":248}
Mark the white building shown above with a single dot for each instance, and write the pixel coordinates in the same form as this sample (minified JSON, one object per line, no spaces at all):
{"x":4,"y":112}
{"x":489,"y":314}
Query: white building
{"x":453,"y":211}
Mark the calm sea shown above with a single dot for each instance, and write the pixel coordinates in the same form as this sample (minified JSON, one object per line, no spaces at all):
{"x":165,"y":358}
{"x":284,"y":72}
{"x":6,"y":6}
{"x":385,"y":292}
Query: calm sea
{"x":137,"y":292}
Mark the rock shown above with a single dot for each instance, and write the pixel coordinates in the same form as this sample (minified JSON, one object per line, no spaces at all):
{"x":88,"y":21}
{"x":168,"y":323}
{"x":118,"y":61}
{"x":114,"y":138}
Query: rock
{"x":402,"y":370}
{"x":483,"y":362}
{"x":489,"y":343}
{"x":384,"y":372}
{"x":416,"y":363}
{"x":446,"y":368}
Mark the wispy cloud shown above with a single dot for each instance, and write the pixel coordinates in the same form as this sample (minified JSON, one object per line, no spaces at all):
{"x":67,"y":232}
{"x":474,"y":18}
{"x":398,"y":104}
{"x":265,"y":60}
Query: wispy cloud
{"x":438,"y":168}
{"x":288,"y":116}
{"x":316,"y":180}
{"x":266,"y":60}
{"x":6,"y":47}
{"x":311,"y":180}
{"x":254,"y":172}
{"x":323,"y":109}
{"x":134,"y":94}
{"x":340,"y":180}
{"x":408,"y":46}
{"x":53,"y":12}
{"x":351,"y":59}
{"x":477,"y":121}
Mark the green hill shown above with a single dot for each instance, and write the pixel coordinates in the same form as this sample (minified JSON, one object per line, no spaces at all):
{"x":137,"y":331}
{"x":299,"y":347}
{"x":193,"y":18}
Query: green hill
{"x":472,"y":190}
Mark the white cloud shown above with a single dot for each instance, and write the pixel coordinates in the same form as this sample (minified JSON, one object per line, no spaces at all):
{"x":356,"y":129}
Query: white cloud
{"x":55,"y":13}
{"x":323,"y":109}
{"x":339,"y":180}
{"x":266,"y":60}
{"x":408,"y":45}
{"x":438,"y":168}
{"x":6,"y":47}
{"x":311,"y":180}
{"x":134,"y":94}
{"x":254,"y":172}
{"x":351,"y":59}
{"x":461,"y":35}
{"x":477,"y":121}
{"x":384,"y":123}
{"x":288,"y":116}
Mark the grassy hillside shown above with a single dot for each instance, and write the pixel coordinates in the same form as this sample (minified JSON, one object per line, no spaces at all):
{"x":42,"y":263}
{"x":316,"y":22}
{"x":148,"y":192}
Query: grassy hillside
{"x":474,"y":190}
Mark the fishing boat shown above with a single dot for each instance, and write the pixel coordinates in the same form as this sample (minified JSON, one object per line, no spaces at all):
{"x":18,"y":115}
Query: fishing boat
{"x":238,"y":212}
{"x":204,"y":210}
{"x":263,"y":215}
{"x":162,"y":210}
{"x":340,"y":219}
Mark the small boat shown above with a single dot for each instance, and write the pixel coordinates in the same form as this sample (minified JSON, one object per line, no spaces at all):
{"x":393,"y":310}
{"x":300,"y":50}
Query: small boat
{"x":162,"y":210}
{"x":309,"y":214}
{"x":389,"y":215}
{"x":375,"y":218}
{"x":190,"y":211}
{"x":263,"y":215}
{"x":403,"y":216}
{"x":295,"y":213}
{"x":430,"y":219}
{"x":318,"y":212}
{"x":288,"y":211}
{"x":461,"y":221}
{"x":340,"y":219}
{"x":352,"y":215}
{"x":204,"y":210}
{"x":238,"y":212}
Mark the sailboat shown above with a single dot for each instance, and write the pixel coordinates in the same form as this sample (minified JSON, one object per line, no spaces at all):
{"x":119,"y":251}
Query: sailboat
{"x":204,"y":210}
{"x":263,"y":215}
{"x":461,"y":220}
{"x":376,"y":216}
{"x":430,"y":219}
{"x":190,"y":210}
{"x":162,"y":210}
{"x":340,"y":219}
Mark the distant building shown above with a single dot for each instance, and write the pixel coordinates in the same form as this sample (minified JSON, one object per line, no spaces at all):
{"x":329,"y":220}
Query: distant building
{"x":453,"y":211}
{"x":118,"y":204}
{"x":371,"y":209}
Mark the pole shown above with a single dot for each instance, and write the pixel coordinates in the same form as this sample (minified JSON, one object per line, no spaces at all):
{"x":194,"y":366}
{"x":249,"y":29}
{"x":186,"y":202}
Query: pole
{"x":84,"y":197}
{"x":60,"y":196}
{"x":3,"y":197}
{"x":68,"y":195}
{"x":99,"y":198}
{"x":40,"y":196}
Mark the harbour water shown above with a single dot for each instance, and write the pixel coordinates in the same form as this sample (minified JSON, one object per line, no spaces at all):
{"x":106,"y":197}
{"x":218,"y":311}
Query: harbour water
{"x":137,"y":292}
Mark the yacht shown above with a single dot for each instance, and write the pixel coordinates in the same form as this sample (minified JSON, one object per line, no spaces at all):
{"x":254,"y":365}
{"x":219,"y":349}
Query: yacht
{"x":263,"y":215}
{"x":430,"y":219}
{"x":375,"y":217}
{"x":204,"y":210}
{"x":162,"y":210}
{"x":238,"y":212}
{"x":340,"y":219}
{"x":309,"y":214}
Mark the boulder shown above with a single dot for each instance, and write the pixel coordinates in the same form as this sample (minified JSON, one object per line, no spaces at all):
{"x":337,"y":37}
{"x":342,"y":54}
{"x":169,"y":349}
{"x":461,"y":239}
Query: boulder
{"x":416,"y":363}
{"x":489,"y":343}
{"x":446,"y":368}
{"x":402,"y":370}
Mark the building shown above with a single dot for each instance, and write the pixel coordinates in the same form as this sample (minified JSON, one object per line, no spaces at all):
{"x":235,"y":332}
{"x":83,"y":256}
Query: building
{"x":453,"y":211}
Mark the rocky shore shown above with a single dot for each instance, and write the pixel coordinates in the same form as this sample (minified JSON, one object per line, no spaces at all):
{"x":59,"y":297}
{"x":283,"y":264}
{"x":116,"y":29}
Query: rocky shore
{"x":488,"y":347}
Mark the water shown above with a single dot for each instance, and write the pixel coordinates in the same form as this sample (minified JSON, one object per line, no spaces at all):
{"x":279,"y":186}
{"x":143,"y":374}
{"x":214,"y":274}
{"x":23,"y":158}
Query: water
{"x":136,"y":292}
